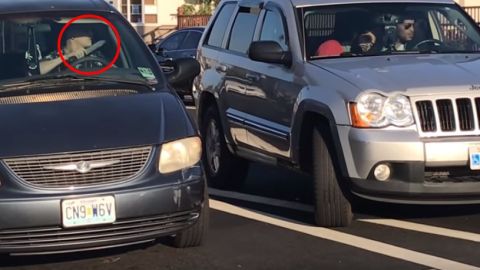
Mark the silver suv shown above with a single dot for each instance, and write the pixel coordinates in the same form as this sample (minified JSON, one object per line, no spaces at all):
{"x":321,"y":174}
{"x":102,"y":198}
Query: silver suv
{"x":374,"y":98}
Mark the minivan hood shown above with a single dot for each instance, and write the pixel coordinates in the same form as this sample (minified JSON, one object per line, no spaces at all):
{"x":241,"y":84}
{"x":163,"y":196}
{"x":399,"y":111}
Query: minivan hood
{"x":413,"y":74}
{"x":89,"y":124}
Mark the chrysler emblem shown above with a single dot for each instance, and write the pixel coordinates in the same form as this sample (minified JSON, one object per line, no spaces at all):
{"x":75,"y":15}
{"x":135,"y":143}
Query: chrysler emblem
{"x":82,"y":166}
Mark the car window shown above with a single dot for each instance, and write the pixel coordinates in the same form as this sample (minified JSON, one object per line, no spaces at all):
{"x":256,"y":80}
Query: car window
{"x":191,"y":41}
{"x":217,"y":33}
{"x":243,"y":30}
{"x":174,"y":41}
{"x":29,"y":47}
{"x":387,"y":28}
{"x":273,"y":29}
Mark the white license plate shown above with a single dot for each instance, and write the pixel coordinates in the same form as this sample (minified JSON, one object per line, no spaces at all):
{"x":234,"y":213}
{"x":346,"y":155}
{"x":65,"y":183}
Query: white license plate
{"x":474,"y":155}
{"x":88,"y":211}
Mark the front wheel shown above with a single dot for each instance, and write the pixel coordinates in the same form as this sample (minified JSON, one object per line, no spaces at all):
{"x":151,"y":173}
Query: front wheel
{"x":196,"y":234}
{"x":223,"y":169}
{"x":332,"y":208}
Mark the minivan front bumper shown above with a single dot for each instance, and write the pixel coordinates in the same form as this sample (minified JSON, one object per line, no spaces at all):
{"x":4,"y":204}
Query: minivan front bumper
{"x":423,"y":171}
{"x":34,"y":225}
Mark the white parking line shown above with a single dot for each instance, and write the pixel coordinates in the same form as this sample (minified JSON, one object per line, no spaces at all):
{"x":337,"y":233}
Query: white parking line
{"x":346,"y":239}
{"x":406,"y":225}
{"x":261,"y":200}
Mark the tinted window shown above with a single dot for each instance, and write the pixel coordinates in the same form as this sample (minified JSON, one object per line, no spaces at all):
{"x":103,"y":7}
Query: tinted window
{"x":220,"y":26}
{"x":243,"y":30}
{"x":273,"y":29}
{"x":191,"y":42}
{"x":388,"y":28}
{"x":173,"y":42}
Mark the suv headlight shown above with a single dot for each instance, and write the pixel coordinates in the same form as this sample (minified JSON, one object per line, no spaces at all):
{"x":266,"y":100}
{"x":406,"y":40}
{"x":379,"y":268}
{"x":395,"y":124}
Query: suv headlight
{"x":398,"y":111}
{"x":181,"y":154}
{"x":375,"y":110}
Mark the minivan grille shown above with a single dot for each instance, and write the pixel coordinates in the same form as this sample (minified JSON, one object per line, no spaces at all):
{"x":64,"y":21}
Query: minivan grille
{"x":447,"y":116}
{"x":80,"y":169}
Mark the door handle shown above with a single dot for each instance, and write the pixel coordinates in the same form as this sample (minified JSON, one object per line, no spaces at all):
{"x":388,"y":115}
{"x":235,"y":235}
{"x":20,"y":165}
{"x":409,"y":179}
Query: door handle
{"x":222,"y":68}
{"x":252,"y":77}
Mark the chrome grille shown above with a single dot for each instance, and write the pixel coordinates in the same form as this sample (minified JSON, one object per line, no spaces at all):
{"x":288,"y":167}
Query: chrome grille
{"x":451,"y":115}
{"x":66,"y":170}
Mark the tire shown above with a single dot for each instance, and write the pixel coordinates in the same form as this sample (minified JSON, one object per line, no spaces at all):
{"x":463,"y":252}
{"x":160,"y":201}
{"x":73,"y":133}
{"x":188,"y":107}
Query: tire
{"x":223,"y":169}
{"x":332,"y":208}
{"x":195,"y":235}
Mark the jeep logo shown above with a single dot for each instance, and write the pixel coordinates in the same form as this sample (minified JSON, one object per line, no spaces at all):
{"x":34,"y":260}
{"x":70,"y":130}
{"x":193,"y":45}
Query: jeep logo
{"x":475,"y":87}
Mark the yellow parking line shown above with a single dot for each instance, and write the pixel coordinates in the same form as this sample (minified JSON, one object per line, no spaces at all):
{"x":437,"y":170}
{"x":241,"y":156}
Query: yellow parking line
{"x":425,"y":229}
{"x":346,"y":239}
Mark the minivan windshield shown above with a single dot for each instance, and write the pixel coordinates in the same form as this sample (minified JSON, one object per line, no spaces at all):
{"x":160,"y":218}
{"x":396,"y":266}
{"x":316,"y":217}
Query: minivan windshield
{"x":378,"y":29}
{"x":28,"y":49}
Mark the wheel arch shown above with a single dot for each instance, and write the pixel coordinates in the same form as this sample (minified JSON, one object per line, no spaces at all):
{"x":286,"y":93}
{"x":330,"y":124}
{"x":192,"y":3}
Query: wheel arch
{"x":314,"y":114}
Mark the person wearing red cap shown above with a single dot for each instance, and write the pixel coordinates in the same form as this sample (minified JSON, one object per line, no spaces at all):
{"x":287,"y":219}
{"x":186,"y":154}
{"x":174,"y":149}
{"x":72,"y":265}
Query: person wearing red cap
{"x":329,"y":48}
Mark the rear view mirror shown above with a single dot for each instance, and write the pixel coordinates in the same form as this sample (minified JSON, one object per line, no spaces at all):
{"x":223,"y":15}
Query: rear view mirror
{"x":159,"y":51}
{"x":184,"y":70}
{"x":269,"y":52}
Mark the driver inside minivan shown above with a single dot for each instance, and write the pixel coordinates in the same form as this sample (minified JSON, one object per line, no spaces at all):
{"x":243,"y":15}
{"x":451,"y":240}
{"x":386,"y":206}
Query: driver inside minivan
{"x":78,"y":39}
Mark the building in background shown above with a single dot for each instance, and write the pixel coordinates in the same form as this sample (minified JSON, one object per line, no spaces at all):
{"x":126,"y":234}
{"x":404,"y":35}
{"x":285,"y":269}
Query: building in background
{"x":469,"y":3}
{"x":151,"y":18}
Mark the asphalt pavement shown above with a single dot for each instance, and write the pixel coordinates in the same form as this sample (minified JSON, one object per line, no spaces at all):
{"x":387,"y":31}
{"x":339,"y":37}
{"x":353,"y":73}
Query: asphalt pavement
{"x":267,"y":224}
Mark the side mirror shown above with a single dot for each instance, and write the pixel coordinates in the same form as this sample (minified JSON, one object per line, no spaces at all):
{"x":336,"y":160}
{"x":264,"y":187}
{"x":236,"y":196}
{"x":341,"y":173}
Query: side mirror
{"x":184,"y":70}
{"x":269,"y":52}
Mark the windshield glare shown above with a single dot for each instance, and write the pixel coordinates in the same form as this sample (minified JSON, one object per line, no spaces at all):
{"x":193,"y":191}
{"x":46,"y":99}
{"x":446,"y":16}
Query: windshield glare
{"x":28,"y":48}
{"x":378,"y":29}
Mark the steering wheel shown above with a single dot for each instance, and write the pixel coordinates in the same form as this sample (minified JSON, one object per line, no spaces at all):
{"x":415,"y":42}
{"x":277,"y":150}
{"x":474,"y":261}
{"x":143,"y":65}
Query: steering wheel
{"x":90,"y":63}
{"x":433,"y":42}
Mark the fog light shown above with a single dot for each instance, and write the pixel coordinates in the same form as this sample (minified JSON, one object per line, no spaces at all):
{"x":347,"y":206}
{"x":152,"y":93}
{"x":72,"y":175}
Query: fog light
{"x":382,"y":172}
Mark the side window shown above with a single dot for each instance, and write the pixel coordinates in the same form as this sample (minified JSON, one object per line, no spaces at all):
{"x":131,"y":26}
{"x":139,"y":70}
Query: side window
{"x":220,"y":25}
{"x":173,"y":42}
{"x":273,"y":29}
{"x":191,"y":42}
{"x":243,"y":30}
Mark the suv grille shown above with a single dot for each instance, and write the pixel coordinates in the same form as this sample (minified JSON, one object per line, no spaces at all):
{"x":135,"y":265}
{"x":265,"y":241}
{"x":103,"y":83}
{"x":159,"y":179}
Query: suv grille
{"x":80,"y":169}
{"x":447,"y":116}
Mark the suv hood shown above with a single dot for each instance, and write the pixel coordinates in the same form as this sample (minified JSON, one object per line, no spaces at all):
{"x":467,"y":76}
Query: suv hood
{"x":89,"y":124}
{"x":413,"y":74}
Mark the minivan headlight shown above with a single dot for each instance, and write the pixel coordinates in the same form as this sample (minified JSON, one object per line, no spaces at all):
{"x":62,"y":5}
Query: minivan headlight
{"x":376,"y":110}
{"x":180,"y":154}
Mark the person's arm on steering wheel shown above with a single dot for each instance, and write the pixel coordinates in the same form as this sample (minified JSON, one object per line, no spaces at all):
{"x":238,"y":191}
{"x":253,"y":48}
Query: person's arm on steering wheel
{"x":48,"y":65}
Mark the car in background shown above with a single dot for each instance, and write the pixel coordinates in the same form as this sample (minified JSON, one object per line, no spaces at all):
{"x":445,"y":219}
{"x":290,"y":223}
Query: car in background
{"x":90,"y":162}
{"x":180,"y":44}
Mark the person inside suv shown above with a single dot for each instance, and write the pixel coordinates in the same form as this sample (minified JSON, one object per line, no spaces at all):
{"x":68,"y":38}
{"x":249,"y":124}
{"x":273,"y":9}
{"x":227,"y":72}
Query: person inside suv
{"x":405,"y":33}
{"x":364,"y":43}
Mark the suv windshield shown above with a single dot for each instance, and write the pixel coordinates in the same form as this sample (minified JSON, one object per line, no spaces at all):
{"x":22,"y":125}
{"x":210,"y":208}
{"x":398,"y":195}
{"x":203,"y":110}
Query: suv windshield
{"x":379,"y":29}
{"x":28,"y":49}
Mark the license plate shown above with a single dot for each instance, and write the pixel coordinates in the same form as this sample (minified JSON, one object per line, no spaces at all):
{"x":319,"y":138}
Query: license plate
{"x":88,"y":211}
{"x":474,"y":154}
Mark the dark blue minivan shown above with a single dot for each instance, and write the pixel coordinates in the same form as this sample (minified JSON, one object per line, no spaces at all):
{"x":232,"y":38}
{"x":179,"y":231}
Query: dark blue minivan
{"x":96,"y":149}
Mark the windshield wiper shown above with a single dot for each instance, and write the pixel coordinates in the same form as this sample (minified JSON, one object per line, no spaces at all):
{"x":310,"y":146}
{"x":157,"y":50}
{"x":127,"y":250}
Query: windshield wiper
{"x":62,"y":78}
